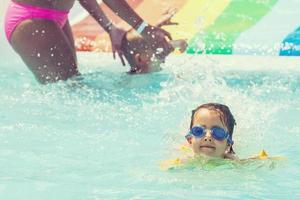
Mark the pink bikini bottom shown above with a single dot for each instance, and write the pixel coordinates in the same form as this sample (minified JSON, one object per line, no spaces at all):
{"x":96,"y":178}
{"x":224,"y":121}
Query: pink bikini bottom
{"x":17,"y":13}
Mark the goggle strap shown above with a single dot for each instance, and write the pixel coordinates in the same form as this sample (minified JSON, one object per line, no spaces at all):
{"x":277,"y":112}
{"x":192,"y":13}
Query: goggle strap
{"x":229,"y":140}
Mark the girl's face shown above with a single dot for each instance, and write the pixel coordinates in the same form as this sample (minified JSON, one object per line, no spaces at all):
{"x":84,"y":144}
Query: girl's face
{"x":207,"y":145}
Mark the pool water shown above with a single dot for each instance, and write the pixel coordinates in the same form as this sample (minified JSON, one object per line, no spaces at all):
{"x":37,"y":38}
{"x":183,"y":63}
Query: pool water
{"x":104,"y":137}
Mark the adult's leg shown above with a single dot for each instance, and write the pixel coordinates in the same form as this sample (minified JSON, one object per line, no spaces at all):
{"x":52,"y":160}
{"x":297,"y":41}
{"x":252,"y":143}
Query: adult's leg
{"x":68,"y":32}
{"x":45,"y":49}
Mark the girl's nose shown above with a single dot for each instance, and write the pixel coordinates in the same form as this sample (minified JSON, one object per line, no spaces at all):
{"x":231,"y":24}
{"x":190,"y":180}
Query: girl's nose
{"x":207,"y":136}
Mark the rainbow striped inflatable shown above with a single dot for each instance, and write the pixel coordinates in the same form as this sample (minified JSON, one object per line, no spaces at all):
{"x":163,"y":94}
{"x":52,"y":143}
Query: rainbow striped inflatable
{"x":256,"y":27}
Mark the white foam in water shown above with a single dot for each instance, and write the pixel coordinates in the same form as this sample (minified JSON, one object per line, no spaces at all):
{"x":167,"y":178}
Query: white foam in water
{"x":104,"y":136}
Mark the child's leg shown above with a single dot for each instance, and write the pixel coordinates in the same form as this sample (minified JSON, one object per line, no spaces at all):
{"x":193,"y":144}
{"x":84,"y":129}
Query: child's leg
{"x":45,"y":49}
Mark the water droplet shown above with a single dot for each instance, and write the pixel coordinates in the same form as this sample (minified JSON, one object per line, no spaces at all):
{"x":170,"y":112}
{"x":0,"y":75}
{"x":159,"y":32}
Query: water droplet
{"x":159,"y":50}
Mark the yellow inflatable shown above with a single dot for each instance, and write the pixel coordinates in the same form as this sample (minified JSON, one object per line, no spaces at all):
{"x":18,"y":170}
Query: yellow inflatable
{"x":188,"y":161}
{"x":263,"y":155}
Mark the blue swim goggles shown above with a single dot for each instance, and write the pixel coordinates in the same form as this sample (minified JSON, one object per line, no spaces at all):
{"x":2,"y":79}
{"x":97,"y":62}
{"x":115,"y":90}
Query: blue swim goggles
{"x":216,"y":132}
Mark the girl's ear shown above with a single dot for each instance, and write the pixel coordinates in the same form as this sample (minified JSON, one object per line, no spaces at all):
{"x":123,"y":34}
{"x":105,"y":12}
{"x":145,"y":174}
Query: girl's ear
{"x":228,"y":149}
{"x":189,"y":138}
{"x":137,"y":58}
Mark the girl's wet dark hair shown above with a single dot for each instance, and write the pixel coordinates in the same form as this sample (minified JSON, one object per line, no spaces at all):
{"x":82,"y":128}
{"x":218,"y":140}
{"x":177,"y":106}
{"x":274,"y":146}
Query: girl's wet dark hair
{"x":131,"y":47}
{"x":225,"y":116}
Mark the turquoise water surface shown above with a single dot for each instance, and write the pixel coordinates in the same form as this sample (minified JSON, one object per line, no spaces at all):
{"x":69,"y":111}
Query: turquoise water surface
{"x":104,"y":136}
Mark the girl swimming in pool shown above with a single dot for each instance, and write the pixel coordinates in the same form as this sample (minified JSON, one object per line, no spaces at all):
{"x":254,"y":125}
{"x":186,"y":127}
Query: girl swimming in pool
{"x":39,"y":31}
{"x":210,"y":136}
{"x":211,"y":131}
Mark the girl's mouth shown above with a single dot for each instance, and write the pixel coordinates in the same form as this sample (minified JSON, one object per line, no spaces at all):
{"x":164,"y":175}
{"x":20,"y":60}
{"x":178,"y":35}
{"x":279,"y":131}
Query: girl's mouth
{"x":207,"y":147}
